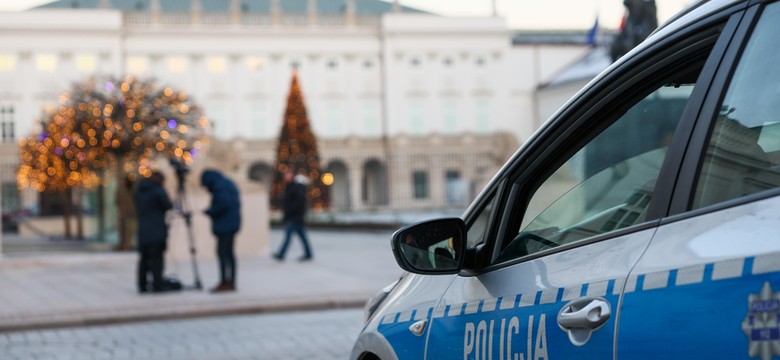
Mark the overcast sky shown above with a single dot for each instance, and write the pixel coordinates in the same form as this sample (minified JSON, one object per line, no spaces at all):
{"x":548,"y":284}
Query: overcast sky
{"x":520,"y":14}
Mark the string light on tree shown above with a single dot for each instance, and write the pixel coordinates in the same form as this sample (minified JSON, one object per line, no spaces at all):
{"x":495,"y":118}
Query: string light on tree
{"x":297,"y":150}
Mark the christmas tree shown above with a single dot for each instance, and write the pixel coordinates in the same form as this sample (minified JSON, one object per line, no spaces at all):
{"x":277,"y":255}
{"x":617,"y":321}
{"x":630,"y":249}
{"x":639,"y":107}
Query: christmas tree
{"x":102,"y":124}
{"x":297,"y":150}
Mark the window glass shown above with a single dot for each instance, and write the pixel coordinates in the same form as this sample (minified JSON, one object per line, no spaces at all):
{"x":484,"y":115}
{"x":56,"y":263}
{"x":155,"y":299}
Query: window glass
{"x":420,"y":179}
{"x":743,"y":156}
{"x":476,"y":230}
{"x":608,"y":183}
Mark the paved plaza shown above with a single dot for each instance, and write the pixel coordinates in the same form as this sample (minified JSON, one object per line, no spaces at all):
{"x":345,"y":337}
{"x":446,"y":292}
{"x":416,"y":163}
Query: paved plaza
{"x":322,"y":335}
{"x":57,"y":289}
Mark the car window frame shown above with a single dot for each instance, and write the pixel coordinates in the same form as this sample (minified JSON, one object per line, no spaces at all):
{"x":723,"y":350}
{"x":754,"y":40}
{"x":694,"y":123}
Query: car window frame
{"x":685,"y":189}
{"x":559,"y":134}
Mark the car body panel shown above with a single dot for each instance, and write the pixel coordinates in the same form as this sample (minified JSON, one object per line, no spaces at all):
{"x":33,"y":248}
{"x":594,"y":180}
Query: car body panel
{"x":512,"y":311}
{"x":700,"y":284}
{"x":410,"y":301}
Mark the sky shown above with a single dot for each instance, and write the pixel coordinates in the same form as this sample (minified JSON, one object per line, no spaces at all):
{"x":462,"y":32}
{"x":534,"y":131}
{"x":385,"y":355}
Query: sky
{"x":519,"y":14}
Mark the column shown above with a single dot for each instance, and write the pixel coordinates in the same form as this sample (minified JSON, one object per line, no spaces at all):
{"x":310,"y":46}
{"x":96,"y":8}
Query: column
{"x":396,"y":6}
{"x":311,"y":10}
{"x":350,"y":12}
{"x":356,"y":182}
{"x":27,"y":109}
{"x":154,"y":6}
{"x":196,"y":11}
{"x":276,"y":12}
{"x":237,"y":112}
{"x":1,"y":233}
{"x":235,"y":12}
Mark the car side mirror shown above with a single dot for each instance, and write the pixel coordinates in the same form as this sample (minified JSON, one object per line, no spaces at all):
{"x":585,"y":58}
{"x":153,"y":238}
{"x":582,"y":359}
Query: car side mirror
{"x":431,"y":247}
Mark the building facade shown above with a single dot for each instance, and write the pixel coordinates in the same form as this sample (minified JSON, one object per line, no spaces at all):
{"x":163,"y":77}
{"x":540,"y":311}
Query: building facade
{"x":412,"y":110}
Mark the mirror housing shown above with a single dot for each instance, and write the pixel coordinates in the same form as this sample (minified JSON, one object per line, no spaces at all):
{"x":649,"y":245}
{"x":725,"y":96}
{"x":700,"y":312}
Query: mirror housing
{"x":433,"y":247}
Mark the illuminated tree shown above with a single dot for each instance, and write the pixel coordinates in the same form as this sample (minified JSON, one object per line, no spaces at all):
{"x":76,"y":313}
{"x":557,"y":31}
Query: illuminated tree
{"x":297,"y":149}
{"x":59,"y":159}
{"x":119,"y":124}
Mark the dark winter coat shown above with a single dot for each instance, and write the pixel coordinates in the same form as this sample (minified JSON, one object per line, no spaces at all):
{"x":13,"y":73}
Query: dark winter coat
{"x":295,"y":202}
{"x":225,"y":209}
{"x":151,"y":203}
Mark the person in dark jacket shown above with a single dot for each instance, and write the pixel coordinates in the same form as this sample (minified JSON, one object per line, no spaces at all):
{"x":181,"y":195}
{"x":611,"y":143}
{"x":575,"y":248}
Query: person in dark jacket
{"x":294,"y":212}
{"x":151,"y":203}
{"x":225,"y":213}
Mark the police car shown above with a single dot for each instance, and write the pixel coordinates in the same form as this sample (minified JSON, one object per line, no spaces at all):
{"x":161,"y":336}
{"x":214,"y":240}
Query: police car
{"x":641,"y":221}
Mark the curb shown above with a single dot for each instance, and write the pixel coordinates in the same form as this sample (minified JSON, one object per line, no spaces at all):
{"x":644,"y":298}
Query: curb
{"x":281,"y":306}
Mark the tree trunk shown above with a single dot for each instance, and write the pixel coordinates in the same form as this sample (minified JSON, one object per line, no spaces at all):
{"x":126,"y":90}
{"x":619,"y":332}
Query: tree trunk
{"x":66,"y":212}
{"x":124,"y":209}
{"x":79,"y":214}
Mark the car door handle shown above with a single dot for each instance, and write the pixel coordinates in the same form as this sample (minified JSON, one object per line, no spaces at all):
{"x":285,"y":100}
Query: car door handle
{"x":581,"y":317}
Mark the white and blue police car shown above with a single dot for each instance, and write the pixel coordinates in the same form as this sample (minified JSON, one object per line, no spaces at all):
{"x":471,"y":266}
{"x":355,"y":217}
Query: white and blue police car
{"x":641,"y":222}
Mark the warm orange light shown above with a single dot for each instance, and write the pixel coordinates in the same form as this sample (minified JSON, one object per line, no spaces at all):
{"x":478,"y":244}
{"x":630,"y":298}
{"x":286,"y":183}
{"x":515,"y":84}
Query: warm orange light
{"x":327,"y":179}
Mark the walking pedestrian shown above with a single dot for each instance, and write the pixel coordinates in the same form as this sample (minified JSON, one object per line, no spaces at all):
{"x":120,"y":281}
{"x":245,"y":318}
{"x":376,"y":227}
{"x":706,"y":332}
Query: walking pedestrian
{"x":294,"y":211}
{"x":225,"y":213}
{"x":151,"y":203}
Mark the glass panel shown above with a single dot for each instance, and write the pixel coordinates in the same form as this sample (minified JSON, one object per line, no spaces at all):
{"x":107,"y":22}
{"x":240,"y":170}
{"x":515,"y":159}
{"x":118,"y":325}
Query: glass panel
{"x":608,"y":184}
{"x":744,"y":151}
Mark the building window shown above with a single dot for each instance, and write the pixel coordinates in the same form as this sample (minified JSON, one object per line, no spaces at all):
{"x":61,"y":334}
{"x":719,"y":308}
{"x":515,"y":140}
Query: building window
{"x":449,"y":109}
{"x":86,"y":63}
{"x":368,"y":64}
{"x":46,"y":62}
{"x":482,"y":116}
{"x":254,"y":63}
{"x":217,"y":111}
{"x":295,"y":64}
{"x":177,"y":64}
{"x":480,"y":61}
{"x":371,"y":118}
{"x":448,"y":62}
{"x":334,"y":116}
{"x":216,"y":64}
{"x":7,"y":63}
{"x":455,"y":188}
{"x":259,"y":121}
{"x":53,"y":203}
{"x":415,"y":62}
{"x":416,"y":117}
{"x":11,"y":198}
{"x":332,"y":64}
{"x":137,"y":64}
{"x":7,"y":131}
{"x":420,"y":182}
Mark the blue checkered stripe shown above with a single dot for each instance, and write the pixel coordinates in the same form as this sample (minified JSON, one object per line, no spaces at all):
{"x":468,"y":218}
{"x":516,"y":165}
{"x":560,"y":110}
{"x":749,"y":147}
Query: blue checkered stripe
{"x":696,"y":274}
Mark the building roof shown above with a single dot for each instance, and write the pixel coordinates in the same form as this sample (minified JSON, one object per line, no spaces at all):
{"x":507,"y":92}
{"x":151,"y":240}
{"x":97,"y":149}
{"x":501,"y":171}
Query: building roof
{"x":287,"y":6}
{"x":561,"y":37}
{"x":584,"y":69}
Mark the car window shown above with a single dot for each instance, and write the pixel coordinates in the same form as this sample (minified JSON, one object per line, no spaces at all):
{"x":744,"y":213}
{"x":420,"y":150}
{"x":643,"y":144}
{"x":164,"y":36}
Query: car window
{"x":476,"y":230}
{"x":608,"y":183}
{"x":743,"y":155}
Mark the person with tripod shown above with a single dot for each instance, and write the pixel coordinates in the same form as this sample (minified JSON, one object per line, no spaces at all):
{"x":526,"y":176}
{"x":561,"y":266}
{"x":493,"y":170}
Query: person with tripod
{"x":151,"y":202}
{"x":225,"y":213}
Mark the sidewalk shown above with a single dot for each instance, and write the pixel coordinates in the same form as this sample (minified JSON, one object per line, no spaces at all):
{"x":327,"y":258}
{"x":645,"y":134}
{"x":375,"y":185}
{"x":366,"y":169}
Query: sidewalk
{"x":57,"y":289}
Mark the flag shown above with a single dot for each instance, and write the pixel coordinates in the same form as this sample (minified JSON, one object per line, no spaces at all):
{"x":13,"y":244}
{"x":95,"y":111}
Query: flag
{"x":593,"y":33}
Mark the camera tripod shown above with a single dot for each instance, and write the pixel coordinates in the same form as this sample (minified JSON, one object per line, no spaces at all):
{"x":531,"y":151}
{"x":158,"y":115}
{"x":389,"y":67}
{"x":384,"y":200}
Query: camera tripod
{"x":183,"y":206}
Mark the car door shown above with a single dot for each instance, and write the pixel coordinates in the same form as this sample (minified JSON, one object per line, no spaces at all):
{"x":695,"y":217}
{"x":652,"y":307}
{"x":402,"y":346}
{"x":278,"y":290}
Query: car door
{"x":709,"y":284}
{"x":579,"y":205}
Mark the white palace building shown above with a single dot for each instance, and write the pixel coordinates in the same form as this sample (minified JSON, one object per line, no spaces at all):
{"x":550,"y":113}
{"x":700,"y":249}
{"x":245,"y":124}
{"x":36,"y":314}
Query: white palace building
{"x":412,"y":110}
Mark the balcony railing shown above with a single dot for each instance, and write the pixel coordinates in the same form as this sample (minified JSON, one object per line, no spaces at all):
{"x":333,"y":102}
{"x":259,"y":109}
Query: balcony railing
{"x":145,"y":18}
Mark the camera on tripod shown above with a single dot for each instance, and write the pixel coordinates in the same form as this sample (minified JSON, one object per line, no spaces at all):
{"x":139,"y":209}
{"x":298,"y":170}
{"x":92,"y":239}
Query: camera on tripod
{"x":181,"y":172}
{"x":182,"y":205}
